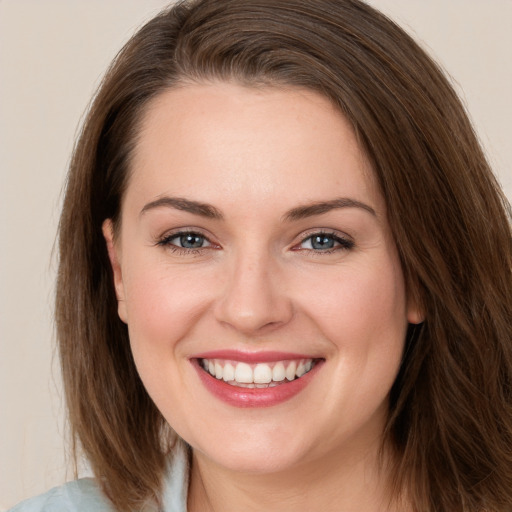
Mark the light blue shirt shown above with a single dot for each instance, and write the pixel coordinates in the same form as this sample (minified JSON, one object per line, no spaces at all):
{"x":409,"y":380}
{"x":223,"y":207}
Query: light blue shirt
{"x":84,"y":495}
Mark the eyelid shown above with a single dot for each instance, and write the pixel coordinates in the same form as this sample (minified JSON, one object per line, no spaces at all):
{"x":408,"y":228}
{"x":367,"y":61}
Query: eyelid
{"x":182,"y":230}
{"x":344,"y":241}
{"x":164,"y":239}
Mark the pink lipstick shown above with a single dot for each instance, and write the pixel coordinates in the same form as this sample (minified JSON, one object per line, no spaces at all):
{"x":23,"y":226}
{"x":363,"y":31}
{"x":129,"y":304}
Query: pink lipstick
{"x":263,"y":379}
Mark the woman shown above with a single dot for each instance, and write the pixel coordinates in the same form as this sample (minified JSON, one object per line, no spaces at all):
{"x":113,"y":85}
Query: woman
{"x":284,"y":273}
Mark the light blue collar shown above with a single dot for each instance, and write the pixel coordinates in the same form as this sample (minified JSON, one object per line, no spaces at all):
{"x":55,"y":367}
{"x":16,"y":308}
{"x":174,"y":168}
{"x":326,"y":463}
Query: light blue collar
{"x":176,"y":480}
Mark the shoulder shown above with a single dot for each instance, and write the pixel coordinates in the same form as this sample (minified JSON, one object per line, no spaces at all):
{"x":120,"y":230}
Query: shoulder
{"x":85,"y":495}
{"x":82,"y":495}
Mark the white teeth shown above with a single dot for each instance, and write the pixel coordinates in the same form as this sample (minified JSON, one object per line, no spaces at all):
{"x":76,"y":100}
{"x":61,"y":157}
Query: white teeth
{"x":218,"y":371}
{"x":229,"y":372}
{"x":262,"y":374}
{"x":278,"y":372}
{"x":243,"y":373}
{"x":253,"y":385}
{"x":290,"y":370}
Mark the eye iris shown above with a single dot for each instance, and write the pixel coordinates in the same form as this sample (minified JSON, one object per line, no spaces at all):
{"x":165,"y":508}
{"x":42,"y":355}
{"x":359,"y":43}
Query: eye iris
{"x":191,"y":241}
{"x":322,"y":242}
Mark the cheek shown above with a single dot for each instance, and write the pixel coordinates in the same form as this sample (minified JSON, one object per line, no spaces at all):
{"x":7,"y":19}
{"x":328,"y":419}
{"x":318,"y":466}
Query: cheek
{"x":163,"y":305}
{"x":362,"y":314}
{"x":360,"y":308}
{"x":361,"y":311}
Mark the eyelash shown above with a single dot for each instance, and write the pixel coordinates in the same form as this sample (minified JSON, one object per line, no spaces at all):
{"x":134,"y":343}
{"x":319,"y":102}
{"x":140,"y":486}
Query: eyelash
{"x":166,"y":242}
{"x":343,"y":243}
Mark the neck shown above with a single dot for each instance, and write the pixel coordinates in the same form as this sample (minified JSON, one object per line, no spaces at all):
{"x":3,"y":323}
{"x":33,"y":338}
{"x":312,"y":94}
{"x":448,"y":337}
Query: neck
{"x":337,"y":482}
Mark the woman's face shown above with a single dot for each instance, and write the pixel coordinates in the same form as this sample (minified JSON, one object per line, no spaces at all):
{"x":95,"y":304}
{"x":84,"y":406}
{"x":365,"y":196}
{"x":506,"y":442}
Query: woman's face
{"x":254,"y":246}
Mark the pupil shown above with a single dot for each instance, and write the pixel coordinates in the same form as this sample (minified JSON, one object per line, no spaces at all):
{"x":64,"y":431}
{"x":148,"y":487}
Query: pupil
{"x":322,"y":242}
{"x":191,"y":241}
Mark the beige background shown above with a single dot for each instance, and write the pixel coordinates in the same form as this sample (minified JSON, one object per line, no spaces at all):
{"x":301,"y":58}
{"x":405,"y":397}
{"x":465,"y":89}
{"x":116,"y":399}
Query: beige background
{"x":52,"y":54}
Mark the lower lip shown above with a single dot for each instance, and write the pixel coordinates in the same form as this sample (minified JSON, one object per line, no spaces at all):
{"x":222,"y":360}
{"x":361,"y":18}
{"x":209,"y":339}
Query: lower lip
{"x":255,"y":397}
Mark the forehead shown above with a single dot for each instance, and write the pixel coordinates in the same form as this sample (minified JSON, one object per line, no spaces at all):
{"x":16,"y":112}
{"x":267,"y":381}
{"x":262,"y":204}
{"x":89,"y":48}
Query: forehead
{"x":223,"y":141}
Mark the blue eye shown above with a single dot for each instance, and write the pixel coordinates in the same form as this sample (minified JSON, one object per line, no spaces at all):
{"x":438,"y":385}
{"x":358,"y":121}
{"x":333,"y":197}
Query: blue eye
{"x":325,"y":242}
{"x":188,"y":240}
{"x":191,"y":241}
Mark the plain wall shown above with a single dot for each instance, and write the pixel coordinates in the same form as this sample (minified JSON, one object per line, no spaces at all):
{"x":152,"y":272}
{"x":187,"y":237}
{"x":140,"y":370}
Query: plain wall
{"x":52,"y":55}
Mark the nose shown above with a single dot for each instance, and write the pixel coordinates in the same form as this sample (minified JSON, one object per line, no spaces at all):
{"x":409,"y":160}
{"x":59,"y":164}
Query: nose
{"x":254,"y":300}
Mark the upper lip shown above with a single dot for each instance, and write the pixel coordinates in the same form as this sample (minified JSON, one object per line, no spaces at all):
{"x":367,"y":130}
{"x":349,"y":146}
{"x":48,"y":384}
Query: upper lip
{"x":252,"y":357}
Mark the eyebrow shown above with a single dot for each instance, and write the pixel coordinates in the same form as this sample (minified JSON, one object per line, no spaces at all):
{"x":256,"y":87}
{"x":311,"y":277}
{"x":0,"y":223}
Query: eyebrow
{"x":298,"y":213}
{"x":186,"y":205}
{"x":318,"y":208}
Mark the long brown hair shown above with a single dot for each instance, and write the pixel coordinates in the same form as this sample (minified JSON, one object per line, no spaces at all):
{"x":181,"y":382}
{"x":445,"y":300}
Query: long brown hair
{"x":450,"y":418}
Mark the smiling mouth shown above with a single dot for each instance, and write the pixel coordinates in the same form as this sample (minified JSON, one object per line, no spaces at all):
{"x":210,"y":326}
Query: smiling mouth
{"x":259,"y":375}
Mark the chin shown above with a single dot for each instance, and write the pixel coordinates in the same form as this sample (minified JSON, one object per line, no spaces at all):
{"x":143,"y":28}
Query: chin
{"x":260,"y":462}
{"x":257,"y":452}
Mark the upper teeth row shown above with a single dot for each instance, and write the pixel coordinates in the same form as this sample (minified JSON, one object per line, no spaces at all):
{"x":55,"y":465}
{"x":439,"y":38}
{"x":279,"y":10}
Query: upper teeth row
{"x":261,"y":373}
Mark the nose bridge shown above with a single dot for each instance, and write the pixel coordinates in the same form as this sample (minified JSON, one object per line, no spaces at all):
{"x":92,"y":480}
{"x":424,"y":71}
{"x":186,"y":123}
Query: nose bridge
{"x":254,"y":296}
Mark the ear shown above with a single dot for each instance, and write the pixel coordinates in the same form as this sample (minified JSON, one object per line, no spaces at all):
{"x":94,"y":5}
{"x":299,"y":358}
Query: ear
{"x":114,"y":257}
{"x":415,"y":313}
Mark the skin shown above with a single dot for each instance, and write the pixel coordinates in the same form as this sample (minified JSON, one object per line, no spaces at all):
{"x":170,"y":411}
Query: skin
{"x":258,"y":284}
